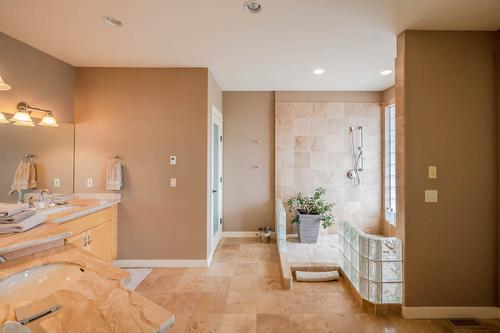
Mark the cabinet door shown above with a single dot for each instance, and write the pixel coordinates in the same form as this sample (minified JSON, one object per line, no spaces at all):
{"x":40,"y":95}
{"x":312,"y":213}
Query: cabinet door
{"x":78,"y":240}
{"x":101,"y":239}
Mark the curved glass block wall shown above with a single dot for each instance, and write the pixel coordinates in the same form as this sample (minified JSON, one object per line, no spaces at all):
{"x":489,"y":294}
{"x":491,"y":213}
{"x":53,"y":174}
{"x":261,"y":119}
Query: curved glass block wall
{"x":373,"y":264}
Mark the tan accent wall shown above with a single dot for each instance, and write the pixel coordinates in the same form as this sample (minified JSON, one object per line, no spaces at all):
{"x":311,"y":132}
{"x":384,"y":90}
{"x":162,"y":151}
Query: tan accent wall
{"x":36,"y":78}
{"x":248,"y":160}
{"x":450,"y":246}
{"x":313,"y":149}
{"x":145,"y":115}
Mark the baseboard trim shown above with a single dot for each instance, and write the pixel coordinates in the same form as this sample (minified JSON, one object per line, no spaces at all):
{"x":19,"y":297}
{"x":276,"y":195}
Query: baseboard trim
{"x":480,"y":312}
{"x":166,"y":263}
{"x":234,"y":234}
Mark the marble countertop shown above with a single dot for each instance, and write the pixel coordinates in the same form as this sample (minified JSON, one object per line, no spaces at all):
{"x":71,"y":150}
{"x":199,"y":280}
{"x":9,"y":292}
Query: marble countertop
{"x":53,"y":229}
{"x":97,"y":302}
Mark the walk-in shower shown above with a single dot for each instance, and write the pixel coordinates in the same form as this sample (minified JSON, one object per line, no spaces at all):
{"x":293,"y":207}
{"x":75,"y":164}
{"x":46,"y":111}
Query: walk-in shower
{"x":357,"y":156}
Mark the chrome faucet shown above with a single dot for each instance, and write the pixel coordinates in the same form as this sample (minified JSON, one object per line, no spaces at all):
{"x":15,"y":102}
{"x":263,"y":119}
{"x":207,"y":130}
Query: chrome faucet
{"x":19,"y":195}
{"x":40,"y":196}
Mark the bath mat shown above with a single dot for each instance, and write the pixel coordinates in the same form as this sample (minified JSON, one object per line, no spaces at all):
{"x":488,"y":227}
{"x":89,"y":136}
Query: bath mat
{"x":316,"y":276}
{"x":136,"y":277}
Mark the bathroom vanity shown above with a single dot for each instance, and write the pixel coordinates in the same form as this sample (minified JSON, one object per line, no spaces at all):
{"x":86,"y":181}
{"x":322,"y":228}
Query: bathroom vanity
{"x":72,"y":252}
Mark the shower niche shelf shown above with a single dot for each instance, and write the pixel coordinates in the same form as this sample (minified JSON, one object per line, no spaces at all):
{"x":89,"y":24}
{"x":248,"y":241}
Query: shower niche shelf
{"x":373,"y":264}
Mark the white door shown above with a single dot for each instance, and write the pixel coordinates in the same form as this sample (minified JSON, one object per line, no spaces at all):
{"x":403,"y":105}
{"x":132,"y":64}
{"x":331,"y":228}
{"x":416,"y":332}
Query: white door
{"x":216,"y":180}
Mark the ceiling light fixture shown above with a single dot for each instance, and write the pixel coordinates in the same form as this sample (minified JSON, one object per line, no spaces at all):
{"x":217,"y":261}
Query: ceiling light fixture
{"x":319,"y":71}
{"x":4,"y":86}
{"x":111,"y":21}
{"x":252,"y":7}
{"x":386,"y":72}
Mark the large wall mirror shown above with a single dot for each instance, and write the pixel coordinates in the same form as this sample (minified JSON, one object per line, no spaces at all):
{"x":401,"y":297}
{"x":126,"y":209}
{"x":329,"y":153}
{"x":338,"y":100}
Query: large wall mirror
{"x":52,"y":151}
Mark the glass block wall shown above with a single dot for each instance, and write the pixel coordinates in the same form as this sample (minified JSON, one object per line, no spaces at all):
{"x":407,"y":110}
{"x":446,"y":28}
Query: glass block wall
{"x":373,"y":264}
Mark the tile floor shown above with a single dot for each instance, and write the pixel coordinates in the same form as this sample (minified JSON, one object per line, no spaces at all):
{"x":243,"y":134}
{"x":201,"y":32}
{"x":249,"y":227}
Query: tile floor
{"x":241,"y":292}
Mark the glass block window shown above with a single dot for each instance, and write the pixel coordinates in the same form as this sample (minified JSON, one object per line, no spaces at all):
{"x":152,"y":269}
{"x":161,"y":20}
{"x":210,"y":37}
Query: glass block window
{"x":390,"y":164}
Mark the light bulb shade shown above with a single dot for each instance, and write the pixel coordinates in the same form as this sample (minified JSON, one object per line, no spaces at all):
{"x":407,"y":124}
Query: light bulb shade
{"x":3,"y":85}
{"x":22,"y":117}
{"x":23,"y":123}
{"x":3,"y":120}
{"x":48,"y":120}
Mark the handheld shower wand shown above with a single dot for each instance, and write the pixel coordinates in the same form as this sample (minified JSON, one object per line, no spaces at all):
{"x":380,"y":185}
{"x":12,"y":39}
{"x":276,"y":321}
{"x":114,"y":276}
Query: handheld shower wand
{"x":358,"y":157}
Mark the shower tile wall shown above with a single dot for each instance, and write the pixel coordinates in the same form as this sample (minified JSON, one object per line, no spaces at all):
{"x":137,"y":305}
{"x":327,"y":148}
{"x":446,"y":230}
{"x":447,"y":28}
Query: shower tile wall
{"x":313,"y":149}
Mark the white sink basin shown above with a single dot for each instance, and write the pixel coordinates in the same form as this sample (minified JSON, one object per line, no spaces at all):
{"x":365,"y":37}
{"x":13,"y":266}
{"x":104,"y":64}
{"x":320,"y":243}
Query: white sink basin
{"x":38,"y":282}
{"x":57,"y":209}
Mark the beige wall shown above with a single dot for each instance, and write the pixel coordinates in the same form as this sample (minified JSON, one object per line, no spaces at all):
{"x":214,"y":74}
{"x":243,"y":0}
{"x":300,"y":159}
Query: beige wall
{"x":450,"y":246}
{"x":313,"y":149}
{"x":36,"y":78}
{"x":248,"y":160}
{"x":145,"y":115}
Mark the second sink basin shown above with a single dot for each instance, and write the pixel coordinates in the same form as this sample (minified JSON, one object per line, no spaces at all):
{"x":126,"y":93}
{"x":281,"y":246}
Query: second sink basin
{"x":38,"y":282}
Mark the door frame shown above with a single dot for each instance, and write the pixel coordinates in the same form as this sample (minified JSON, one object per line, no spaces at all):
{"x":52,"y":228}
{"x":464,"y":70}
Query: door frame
{"x":216,"y":118}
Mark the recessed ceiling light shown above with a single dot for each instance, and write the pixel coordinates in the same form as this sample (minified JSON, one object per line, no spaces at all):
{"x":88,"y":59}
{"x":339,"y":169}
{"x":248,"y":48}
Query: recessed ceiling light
{"x":386,"y":72}
{"x":252,"y":7}
{"x":319,"y":71}
{"x":111,"y":21}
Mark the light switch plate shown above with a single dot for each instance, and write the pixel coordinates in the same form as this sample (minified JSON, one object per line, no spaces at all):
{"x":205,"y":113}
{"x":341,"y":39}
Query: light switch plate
{"x":57,"y":182}
{"x":90,"y":182}
{"x":433,"y":172}
{"x":173,"y":160}
{"x":173,"y":182}
{"x":431,"y":196}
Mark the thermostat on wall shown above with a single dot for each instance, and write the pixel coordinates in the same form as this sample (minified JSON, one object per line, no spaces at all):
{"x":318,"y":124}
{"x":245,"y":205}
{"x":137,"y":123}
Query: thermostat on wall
{"x":173,"y":160}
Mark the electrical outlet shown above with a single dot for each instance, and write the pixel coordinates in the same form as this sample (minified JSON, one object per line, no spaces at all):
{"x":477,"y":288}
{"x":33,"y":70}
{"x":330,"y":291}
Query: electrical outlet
{"x":57,"y":182}
{"x":433,"y":172}
{"x":90,"y":183}
{"x":431,"y":196}
{"x":173,"y":160}
{"x":173,"y":182}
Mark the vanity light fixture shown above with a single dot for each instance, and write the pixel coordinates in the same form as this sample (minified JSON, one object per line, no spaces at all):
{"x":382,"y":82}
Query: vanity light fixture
{"x":3,"y":120}
{"x":48,"y":120}
{"x":4,"y":86}
{"x":386,"y":72}
{"x":23,"y":118}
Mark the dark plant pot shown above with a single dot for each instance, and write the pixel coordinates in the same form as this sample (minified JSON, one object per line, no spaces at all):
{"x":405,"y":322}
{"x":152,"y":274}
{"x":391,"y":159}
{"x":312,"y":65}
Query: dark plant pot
{"x":308,"y":227}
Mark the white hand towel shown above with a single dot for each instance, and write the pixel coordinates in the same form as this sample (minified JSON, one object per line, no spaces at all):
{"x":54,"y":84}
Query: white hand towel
{"x":24,"y":225}
{"x":11,"y":209}
{"x":25,"y":176}
{"x":114,"y":175}
{"x":16,"y":218}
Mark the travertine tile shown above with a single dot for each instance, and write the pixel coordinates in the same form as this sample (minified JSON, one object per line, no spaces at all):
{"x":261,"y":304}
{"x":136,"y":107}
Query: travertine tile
{"x":319,"y":143}
{"x":238,"y":323}
{"x":211,"y":303}
{"x":217,"y":283}
{"x":204,"y":323}
{"x":247,"y":269}
{"x":243,"y":283}
{"x":302,"y":144}
{"x":272,"y":302}
{"x":301,"y":160}
{"x":241,"y":302}
{"x":189,"y":284}
{"x":273,"y":323}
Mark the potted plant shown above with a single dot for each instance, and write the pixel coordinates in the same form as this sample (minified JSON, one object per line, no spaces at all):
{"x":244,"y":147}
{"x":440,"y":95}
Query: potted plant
{"x":309,"y":213}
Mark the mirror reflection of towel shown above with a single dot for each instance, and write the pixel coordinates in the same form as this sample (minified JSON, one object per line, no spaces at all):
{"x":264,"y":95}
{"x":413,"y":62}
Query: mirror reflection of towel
{"x":25,"y":176}
{"x":114,"y":175}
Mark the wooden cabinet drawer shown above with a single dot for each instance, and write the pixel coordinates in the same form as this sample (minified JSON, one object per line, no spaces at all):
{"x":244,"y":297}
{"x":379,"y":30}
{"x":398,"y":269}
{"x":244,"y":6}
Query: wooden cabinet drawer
{"x":90,"y":221}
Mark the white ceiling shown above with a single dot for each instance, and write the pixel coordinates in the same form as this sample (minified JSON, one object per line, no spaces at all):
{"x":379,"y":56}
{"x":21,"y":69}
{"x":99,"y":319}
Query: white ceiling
{"x":277,"y":49}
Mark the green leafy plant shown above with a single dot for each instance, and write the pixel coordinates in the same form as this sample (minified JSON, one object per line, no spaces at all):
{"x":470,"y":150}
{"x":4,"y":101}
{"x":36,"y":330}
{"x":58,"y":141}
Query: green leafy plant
{"x":314,"y":205}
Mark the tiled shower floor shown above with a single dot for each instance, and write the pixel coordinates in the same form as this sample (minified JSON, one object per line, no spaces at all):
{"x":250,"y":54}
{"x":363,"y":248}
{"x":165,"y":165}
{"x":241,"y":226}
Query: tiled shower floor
{"x":323,"y":254}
